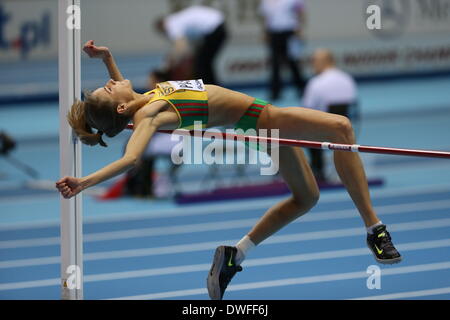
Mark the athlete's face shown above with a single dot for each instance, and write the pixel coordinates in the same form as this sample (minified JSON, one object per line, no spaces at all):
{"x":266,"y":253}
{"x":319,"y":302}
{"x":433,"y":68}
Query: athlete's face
{"x":118,"y":91}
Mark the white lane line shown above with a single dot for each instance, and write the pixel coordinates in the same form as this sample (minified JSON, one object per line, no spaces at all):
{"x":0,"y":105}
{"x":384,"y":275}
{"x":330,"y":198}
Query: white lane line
{"x":223,"y":225}
{"x":408,"y":294}
{"x":406,"y":226}
{"x":227,"y":206}
{"x":201,"y":246}
{"x":412,"y":246}
{"x":396,"y":167}
{"x":248,"y":263}
{"x":22,"y":199}
{"x":293,"y":281}
{"x":31,"y":284}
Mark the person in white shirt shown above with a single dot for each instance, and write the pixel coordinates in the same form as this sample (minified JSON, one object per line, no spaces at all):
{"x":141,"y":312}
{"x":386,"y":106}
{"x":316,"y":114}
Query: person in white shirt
{"x":330,"y":90}
{"x":283,"y":24}
{"x":200,"y":30}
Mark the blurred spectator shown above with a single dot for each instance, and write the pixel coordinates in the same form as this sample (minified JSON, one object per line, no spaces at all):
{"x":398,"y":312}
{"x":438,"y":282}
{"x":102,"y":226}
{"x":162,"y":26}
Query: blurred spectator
{"x":141,"y":179}
{"x":330,"y":90}
{"x":199,"y":30}
{"x":6,"y":143}
{"x":283,"y":24}
{"x":158,"y":75}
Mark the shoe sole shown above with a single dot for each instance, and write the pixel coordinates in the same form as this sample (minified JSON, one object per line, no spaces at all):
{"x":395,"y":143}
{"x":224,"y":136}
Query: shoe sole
{"x":385,"y":261}
{"x":213,"y":282}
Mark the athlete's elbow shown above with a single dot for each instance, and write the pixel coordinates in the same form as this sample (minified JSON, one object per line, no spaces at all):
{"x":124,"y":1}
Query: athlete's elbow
{"x":130,"y":160}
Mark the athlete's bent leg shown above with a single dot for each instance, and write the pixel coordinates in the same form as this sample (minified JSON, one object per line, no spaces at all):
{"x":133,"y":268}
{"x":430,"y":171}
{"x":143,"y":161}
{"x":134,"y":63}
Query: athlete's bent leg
{"x":298,"y":175}
{"x":306,"y":124}
{"x":305,"y":193}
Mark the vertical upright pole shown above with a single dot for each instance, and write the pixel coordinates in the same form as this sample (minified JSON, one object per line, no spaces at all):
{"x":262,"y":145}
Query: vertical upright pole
{"x":70,"y":149}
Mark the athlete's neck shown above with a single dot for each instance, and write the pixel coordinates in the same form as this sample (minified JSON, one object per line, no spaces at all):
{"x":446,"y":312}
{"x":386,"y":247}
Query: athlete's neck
{"x":139,"y":101}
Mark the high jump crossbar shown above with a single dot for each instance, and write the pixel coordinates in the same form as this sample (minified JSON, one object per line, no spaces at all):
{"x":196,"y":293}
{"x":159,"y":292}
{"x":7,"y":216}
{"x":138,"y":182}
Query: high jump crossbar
{"x":314,"y":144}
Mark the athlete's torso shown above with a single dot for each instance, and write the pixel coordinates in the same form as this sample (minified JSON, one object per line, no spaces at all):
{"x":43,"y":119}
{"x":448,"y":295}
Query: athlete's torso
{"x":189,"y":100}
{"x":210,"y":104}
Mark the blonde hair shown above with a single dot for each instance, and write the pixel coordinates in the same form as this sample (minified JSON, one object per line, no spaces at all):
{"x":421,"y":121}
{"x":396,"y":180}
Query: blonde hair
{"x":100,"y":114}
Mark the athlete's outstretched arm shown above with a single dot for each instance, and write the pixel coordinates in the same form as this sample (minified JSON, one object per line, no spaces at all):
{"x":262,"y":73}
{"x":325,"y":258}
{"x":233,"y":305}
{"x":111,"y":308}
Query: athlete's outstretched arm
{"x":103,"y":53}
{"x":71,"y":186}
{"x":135,"y":147}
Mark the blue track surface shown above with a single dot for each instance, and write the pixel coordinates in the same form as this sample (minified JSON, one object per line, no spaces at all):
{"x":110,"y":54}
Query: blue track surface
{"x":157,"y":250}
{"x":321,"y":256}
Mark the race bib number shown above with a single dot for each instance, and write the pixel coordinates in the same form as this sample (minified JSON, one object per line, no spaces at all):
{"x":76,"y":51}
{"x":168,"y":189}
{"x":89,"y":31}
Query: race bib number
{"x":170,"y":87}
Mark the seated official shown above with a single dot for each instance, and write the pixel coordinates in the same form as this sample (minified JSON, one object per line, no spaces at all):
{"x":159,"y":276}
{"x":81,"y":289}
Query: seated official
{"x":330,"y":90}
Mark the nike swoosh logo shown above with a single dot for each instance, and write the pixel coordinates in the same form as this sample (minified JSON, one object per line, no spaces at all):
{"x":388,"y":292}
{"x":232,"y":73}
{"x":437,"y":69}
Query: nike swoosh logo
{"x":378,"y":250}
{"x":230,"y":264}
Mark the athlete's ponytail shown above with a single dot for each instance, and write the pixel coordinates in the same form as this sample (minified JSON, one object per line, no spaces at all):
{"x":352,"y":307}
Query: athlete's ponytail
{"x":77,"y":120}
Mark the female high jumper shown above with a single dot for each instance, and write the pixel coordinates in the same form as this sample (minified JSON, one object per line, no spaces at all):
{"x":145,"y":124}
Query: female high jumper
{"x":111,"y":108}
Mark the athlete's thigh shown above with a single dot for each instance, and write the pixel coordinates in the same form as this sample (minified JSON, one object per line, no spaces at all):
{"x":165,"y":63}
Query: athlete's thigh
{"x":296,"y":172}
{"x":303,"y":123}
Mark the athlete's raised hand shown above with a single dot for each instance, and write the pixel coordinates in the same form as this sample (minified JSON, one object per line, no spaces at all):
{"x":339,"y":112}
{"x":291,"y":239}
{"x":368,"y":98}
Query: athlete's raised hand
{"x":94,"y":51}
{"x":69,"y":186}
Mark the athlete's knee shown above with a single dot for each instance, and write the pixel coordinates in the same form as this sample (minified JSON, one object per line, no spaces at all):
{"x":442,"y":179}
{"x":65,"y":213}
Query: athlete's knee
{"x":306,"y":201}
{"x":313,"y":198}
{"x":343,"y":130}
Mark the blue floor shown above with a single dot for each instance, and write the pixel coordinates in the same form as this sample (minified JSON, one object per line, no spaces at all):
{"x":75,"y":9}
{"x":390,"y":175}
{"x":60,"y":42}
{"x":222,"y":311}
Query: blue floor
{"x":142,"y":249}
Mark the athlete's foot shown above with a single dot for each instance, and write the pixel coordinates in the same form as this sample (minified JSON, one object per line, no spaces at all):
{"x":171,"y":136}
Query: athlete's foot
{"x":382,"y":247}
{"x":222,"y":271}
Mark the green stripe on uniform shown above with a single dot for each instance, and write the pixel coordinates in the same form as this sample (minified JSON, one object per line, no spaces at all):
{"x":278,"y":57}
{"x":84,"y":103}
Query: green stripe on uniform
{"x":248,"y":122}
{"x":188,"y":121}
{"x":188,"y":117}
{"x":176,"y":101}
{"x":259,"y":101}
{"x":253,"y":112}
